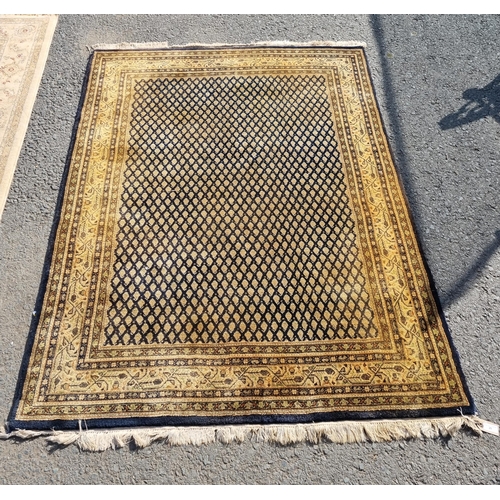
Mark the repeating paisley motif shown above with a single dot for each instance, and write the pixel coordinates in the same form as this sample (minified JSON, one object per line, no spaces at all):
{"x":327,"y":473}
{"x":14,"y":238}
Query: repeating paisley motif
{"x":74,"y":374}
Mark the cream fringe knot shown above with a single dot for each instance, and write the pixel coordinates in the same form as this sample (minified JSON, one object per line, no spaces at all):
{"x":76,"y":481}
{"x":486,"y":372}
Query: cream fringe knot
{"x":275,"y":43}
{"x":284,"y":434}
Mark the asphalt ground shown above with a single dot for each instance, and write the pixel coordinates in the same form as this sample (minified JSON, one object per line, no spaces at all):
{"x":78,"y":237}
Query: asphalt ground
{"x":437,"y":79}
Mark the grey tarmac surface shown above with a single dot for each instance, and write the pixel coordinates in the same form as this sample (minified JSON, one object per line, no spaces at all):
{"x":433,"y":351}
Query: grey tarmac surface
{"x":435,"y":81}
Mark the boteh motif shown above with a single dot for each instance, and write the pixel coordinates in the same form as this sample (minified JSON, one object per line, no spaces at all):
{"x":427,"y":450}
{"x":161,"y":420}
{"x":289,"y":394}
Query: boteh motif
{"x":234,"y":245}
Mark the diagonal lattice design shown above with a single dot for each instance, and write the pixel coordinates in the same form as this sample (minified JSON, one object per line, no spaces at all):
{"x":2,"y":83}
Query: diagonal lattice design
{"x":215,"y":264}
{"x":234,"y":223}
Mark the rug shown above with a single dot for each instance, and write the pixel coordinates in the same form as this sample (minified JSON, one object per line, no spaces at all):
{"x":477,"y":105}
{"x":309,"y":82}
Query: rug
{"x":24,"y":47}
{"x":235,"y":253}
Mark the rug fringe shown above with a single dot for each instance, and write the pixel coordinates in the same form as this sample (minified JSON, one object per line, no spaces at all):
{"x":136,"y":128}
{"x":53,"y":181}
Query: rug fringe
{"x":275,"y":43}
{"x":284,"y":434}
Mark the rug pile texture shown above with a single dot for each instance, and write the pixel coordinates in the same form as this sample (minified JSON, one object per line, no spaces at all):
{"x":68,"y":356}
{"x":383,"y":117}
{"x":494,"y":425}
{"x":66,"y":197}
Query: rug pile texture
{"x":234,"y":251}
{"x":24,"y":46}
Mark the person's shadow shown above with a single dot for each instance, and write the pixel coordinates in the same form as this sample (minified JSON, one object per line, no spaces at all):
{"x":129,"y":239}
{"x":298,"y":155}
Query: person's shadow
{"x":481,"y":102}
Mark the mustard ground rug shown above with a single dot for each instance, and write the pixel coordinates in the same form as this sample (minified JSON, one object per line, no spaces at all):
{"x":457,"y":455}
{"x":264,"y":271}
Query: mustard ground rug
{"x":234,"y":255}
{"x":24,"y":46}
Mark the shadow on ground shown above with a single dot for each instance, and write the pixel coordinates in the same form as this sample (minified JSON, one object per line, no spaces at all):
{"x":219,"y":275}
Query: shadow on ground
{"x":481,"y":102}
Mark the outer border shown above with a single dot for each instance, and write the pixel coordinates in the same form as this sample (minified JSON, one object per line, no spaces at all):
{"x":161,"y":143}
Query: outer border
{"x":109,"y":423}
{"x":435,"y":296}
{"x":25,"y":109}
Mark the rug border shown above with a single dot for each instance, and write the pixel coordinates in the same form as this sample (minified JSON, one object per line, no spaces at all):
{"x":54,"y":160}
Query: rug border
{"x":206,"y":421}
{"x":26,"y":108}
{"x":446,"y":328}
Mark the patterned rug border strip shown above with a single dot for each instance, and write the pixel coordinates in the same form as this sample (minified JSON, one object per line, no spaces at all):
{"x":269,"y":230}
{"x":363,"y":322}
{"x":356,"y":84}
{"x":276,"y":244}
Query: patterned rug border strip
{"x":25,"y":108}
{"x":267,"y":43}
{"x":372,"y":431}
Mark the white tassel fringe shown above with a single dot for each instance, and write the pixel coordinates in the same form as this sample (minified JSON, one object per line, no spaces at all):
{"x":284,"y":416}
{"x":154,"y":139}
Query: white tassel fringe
{"x":284,"y":434}
{"x":276,"y":43}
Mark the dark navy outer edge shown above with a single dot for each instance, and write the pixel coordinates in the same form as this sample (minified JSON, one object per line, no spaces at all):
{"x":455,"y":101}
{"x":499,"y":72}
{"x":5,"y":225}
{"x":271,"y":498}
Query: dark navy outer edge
{"x":109,"y":423}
